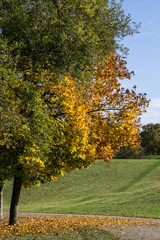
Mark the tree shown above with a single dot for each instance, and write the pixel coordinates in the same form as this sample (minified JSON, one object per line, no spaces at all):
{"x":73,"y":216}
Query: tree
{"x":151,"y":139}
{"x":62,"y":106}
{"x":61,"y":126}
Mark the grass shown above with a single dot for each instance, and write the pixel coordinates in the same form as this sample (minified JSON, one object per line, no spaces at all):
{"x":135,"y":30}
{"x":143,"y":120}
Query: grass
{"x":77,"y":235}
{"x":152,"y":157}
{"x":123,"y":187}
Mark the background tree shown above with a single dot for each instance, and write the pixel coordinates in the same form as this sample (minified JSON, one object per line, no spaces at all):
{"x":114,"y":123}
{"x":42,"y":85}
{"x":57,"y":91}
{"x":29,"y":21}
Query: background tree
{"x":151,"y":139}
{"x":130,"y":153}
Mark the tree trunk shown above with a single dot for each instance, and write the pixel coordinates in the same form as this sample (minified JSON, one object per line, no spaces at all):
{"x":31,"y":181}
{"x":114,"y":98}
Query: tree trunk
{"x":1,"y":202}
{"x":15,"y":200}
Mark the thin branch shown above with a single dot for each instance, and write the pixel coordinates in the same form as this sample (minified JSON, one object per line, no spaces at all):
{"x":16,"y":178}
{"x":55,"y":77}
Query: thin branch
{"x":58,"y":11}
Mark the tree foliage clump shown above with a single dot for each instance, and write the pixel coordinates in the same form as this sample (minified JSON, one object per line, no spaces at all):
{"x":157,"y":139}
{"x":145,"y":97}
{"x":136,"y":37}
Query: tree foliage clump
{"x":151,"y":139}
{"x":66,"y":36}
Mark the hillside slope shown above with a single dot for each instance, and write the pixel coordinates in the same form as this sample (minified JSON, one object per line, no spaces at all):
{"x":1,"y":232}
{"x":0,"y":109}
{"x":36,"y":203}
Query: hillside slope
{"x":122,"y":187}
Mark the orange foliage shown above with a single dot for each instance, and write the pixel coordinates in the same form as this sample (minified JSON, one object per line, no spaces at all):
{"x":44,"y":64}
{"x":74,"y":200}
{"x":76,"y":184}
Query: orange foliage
{"x":98,"y":116}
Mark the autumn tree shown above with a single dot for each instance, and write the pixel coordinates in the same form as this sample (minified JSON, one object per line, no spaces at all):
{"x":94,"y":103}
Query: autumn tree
{"x":150,"y":135}
{"x":62,"y":106}
{"x":64,"y":125}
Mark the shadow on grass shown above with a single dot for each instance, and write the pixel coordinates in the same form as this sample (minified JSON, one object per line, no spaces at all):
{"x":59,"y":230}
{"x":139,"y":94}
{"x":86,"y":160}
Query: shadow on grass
{"x":139,"y":177}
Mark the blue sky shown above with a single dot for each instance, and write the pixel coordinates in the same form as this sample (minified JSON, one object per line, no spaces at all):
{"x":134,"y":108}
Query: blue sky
{"x":144,"y":54}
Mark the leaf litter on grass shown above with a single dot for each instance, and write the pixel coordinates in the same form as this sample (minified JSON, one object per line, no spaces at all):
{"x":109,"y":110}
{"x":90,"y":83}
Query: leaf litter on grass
{"x":36,"y":225}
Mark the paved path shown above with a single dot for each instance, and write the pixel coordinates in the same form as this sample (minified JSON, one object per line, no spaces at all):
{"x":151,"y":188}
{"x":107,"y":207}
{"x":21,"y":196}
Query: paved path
{"x":137,"y":232}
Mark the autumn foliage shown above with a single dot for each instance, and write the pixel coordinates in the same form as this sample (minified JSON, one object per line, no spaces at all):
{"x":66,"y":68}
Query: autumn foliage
{"x":91,"y":120}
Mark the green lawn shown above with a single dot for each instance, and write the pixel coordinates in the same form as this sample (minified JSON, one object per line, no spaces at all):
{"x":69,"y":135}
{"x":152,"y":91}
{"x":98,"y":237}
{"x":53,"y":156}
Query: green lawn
{"x":123,"y":187}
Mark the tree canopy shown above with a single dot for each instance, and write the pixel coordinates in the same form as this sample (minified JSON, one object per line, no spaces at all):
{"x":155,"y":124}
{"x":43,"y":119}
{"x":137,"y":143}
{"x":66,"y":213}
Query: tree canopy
{"x":61,"y":102}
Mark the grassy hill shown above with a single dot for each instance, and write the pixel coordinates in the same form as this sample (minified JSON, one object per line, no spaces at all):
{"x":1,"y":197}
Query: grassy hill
{"x":122,"y":187}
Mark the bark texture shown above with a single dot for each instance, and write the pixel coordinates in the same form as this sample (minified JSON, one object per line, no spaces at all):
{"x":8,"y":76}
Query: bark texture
{"x":1,"y":202}
{"x":15,"y":200}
